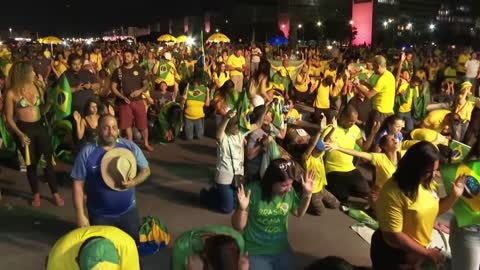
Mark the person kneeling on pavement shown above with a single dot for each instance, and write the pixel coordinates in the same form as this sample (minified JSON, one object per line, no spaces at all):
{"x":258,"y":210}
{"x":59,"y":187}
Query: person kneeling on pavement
{"x":95,"y":247}
{"x":313,"y":159}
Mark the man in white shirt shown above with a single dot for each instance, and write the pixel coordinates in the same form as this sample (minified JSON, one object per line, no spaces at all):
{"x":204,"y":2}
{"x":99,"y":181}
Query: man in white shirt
{"x":472,"y":70}
{"x":256,"y":54}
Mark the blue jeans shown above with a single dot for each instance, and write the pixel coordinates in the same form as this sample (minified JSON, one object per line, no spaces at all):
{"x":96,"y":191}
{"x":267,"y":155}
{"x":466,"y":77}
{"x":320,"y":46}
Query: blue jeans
{"x":220,"y":198}
{"x":407,"y":117}
{"x":129,"y":222}
{"x":465,"y":245}
{"x":192,"y":126}
{"x":282,"y":261}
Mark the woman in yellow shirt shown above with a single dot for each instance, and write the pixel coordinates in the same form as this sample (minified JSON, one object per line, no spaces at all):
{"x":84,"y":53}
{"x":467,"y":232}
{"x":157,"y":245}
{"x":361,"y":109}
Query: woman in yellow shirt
{"x":221,"y":75}
{"x":407,"y":208}
{"x":301,"y":84}
{"x":385,"y":162}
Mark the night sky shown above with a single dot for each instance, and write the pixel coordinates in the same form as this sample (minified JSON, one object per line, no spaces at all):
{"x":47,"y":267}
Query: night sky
{"x":65,"y":17}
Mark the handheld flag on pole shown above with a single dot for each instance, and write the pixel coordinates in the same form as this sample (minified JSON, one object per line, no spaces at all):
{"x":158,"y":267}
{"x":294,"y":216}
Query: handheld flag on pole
{"x":61,"y":98}
{"x":203,"y":49}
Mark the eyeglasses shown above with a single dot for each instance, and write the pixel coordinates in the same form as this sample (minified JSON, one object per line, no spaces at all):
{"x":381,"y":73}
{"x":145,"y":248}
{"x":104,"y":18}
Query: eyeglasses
{"x":285,"y":165}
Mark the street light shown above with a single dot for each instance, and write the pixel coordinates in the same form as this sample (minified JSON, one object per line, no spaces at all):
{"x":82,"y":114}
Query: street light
{"x":283,"y":26}
{"x":385,"y":23}
{"x":431,"y":27}
{"x":409,"y":26}
{"x":319,"y":23}
{"x":351,"y":22}
{"x":300,"y":26}
{"x":10,"y":30}
{"x":216,"y":30}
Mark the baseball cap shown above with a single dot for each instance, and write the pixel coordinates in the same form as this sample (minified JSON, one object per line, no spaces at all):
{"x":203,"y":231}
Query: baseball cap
{"x":99,"y":254}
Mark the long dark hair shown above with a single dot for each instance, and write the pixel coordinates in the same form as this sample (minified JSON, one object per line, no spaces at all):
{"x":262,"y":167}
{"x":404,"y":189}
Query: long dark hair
{"x":276,"y":174}
{"x":219,"y":69}
{"x":412,"y":169}
{"x":263,"y":68}
{"x":221,"y":253}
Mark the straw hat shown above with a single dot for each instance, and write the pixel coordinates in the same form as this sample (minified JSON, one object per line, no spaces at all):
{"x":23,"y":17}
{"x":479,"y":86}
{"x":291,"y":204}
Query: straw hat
{"x":118,"y":165}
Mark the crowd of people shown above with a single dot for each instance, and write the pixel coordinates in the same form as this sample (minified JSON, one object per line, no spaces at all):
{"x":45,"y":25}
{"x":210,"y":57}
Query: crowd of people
{"x":393,"y":113}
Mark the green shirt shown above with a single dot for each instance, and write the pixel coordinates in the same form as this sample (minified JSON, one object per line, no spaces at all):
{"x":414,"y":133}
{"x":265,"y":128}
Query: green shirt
{"x":267,"y":227}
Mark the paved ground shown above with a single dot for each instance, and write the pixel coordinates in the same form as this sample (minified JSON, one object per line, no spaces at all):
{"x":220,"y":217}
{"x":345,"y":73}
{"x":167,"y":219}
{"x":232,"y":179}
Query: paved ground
{"x":179,"y":171}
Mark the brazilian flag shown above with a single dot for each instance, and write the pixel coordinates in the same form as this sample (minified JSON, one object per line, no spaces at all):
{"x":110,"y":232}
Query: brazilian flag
{"x":277,"y":114}
{"x":243,"y":109}
{"x":7,"y":140}
{"x":164,"y":68}
{"x":192,"y":242}
{"x":197,"y":93}
{"x":61,"y":98}
{"x":154,"y":236}
{"x":467,"y":208}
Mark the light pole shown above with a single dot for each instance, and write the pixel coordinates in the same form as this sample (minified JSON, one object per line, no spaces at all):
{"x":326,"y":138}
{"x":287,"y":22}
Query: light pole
{"x":10,"y":30}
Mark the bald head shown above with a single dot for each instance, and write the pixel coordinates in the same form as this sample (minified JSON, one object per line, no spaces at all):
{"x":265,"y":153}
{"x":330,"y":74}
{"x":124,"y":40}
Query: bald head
{"x":107,"y":130}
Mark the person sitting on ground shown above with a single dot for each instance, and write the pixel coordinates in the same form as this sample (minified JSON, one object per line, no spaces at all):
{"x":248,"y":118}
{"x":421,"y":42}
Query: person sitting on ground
{"x":385,"y":162}
{"x":94,"y":247}
{"x":292,"y":116}
{"x":343,"y":177}
{"x":210,"y":248}
{"x":87,"y":126}
{"x":259,"y":140}
{"x":313,"y":161}
{"x":263,"y":211}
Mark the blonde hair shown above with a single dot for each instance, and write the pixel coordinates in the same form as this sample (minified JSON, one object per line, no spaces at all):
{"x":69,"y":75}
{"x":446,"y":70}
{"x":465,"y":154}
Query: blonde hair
{"x":19,"y":74}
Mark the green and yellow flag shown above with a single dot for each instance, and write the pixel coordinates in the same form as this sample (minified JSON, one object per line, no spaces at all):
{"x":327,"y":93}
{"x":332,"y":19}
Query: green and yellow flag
{"x":243,"y":110}
{"x":61,"y":98}
{"x":197,"y":93}
{"x":164,"y":68}
{"x":467,"y":208}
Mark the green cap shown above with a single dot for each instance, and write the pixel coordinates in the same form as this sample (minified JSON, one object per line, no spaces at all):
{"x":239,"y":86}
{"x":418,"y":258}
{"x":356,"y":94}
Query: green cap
{"x":99,"y":254}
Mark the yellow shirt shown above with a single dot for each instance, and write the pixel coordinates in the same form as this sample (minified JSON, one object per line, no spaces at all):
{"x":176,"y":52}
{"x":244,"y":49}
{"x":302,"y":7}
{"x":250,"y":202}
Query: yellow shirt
{"x":432,"y":73}
{"x":194,"y":109}
{"x":300,"y":84}
{"x":293,"y":115}
{"x":236,"y":62}
{"x":332,"y":73}
{"x":323,"y":97}
{"x":96,"y":58}
{"x":220,"y":80}
{"x":421,"y":74}
{"x":462,"y":59}
{"x":465,"y":111}
{"x":407,"y":106}
{"x":384,"y":168}
{"x":397,"y":213}
{"x":316,"y":164}
{"x":434,"y":119}
{"x":336,"y":161}
{"x":63,"y":254}
{"x":170,"y":77}
{"x":384,"y":100}
{"x":60,"y":67}
{"x":337,"y":90}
